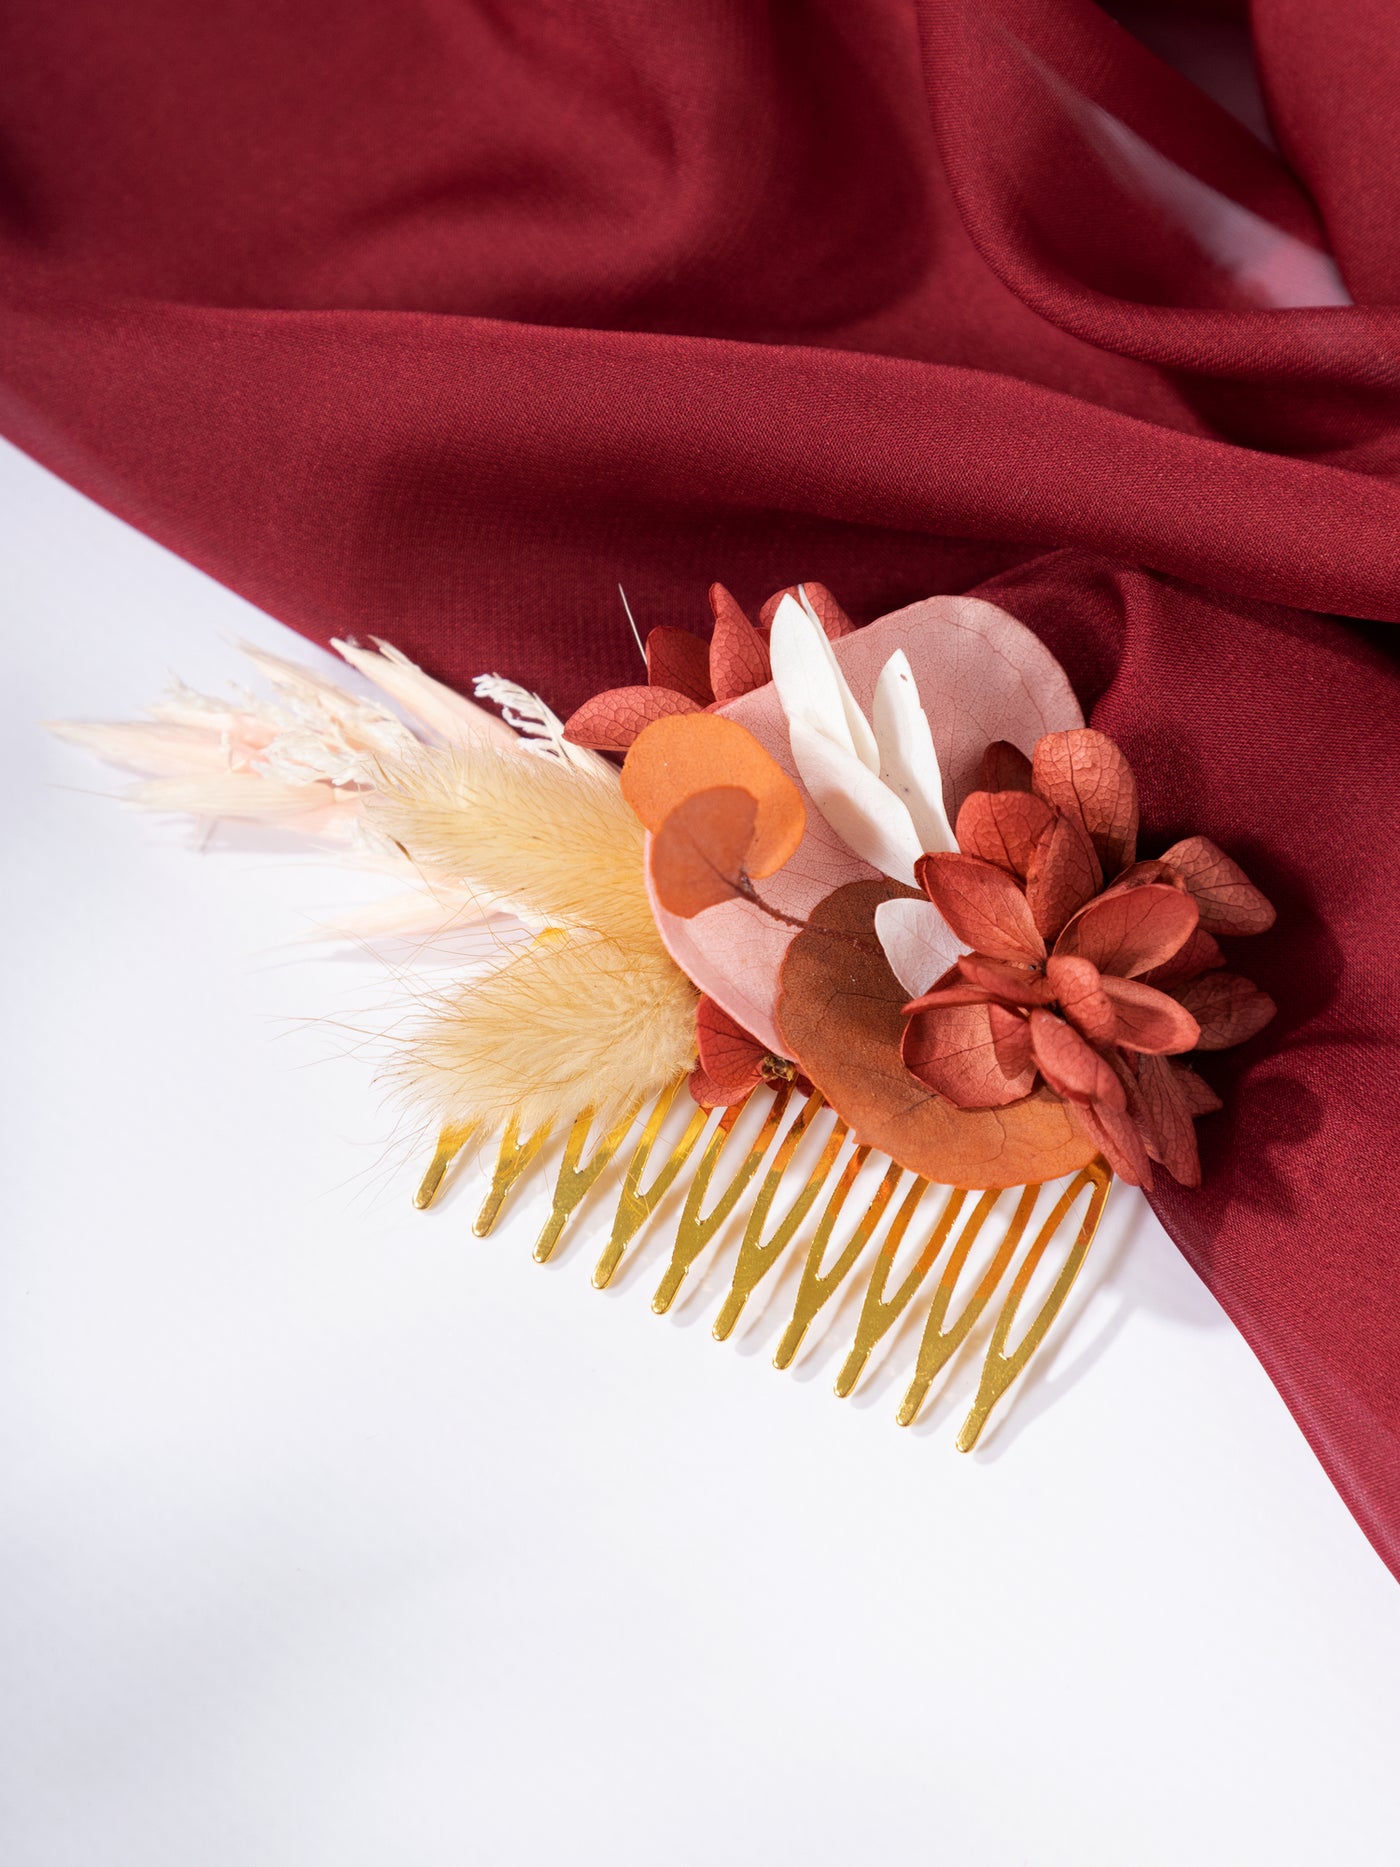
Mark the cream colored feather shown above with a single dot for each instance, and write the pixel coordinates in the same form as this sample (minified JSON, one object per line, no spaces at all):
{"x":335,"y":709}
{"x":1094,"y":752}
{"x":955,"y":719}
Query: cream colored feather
{"x":575,"y":1021}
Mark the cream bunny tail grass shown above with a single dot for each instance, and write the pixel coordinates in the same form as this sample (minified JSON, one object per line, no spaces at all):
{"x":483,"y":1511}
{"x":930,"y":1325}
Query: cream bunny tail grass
{"x":556,"y":841}
{"x":574,"y":1021}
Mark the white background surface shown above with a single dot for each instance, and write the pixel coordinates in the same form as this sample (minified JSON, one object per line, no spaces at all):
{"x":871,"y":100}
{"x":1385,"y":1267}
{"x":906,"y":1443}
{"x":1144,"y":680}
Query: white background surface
{"x":334,"y":1535}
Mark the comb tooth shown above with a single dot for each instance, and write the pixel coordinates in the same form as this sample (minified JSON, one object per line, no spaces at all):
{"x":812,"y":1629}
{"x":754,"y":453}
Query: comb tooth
{"x":816,"y":1288}
{"x":877,"y":1315}
{"x":695,"y":1231}
{"x":450,"y":1142}
{"x":755,"y":1257}
{"x":939,"y":1345}
{"x":514,"y":1157}
{"x":636,"y":1205}
{"x":999,"y":1369}
{"x":577,"y":1177}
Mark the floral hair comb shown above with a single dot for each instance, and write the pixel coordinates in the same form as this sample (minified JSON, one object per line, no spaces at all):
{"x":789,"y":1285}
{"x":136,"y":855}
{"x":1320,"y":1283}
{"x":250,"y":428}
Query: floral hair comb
{"x":861,"y":909}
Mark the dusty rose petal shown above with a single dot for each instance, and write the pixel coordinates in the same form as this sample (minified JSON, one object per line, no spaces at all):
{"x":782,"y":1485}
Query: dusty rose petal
{"x":956,"y":992}
{"x":1229,"y":1009}
{"x":1005,"y":767}
{"x":729,"y":1055}
{"x":954,"y":1050}
{"x":1003,"y":827}
{"x":1132,"y":932}
{"x":1083,"y":773}
{"x":681,"y":661}
{"x":609,"y":722}
{"x":1199,"y":954}
{"x":1166,"y":1118}
{"x":1151,"y":869}
{"x":712,"y":1095}
{"x":982,"y":904}
{"x":1011,"y":1039}
{"x":1079,"y":990}
{"x":1229,"y":901}
{"x":1119,"y":1140}
{"x":738,"y":653}
{"x":825,"y":608}
{"x":1197,"y":1093}
{"x":698,"y":857}
{"x":1018,"y":985}
{"x":1063,"y":874}
{"x":1148,"y":1020}
{"x":1070,"y":1067}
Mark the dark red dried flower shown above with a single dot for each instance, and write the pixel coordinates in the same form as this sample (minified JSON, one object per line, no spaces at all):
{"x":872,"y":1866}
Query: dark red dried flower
{"x":732,"y":1063}
{"x":1093,"y":988}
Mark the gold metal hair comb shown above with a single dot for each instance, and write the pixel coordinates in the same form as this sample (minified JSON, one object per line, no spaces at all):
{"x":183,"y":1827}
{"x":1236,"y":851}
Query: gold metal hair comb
{"x":808,"y":1154}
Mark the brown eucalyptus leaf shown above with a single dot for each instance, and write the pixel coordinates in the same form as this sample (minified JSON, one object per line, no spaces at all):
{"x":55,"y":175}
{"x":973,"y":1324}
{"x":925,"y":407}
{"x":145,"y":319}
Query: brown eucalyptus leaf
{"x":611,"y":721}
{"x":738,"y":653}
{"x":1132,"y":932}
{"x":1085,"y":775}
{"x":1063,"y":874}
{"x":698,"y":857}
{"x":1003,"y":827}
{"x":982,"y":904}
{"x":1229,"y":901}
{"x":1229,"y":1008}
{"x":840,"y":1016}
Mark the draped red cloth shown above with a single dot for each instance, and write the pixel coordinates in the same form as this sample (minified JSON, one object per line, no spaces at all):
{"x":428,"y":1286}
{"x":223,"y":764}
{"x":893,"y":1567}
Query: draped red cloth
{"x":438,"y":318}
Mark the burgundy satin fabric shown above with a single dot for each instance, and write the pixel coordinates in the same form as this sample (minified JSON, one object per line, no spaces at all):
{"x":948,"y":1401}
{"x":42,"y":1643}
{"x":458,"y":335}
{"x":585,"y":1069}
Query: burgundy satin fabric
{"x":437,"y":320}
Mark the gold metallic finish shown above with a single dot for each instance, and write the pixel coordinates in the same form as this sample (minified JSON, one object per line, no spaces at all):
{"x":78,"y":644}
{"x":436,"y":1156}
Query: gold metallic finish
{"x":999,"y":1369}
{"x":635,"y":1205}
{"x":695,"y":1231}
{"x":756,"y":1258}
{"x":577,"y":1176}
{"x":514,"y":1157}
{"x":450,"y":1142}
{"x":879,"y":1315}
{"x":817,"y":1286}
{"x":939,"y":1344}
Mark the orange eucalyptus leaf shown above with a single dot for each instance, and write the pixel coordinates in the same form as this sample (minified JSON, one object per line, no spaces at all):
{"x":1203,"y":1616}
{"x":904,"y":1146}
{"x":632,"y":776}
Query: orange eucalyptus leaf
{"x":698,"y":857}
{"x":675,"y":758}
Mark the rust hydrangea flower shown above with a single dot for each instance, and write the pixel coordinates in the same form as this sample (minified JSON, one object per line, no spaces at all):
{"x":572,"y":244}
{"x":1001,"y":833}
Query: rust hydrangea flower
{"x":1089,"y":970}
{"x":686,"y":674}
{"x":732,"y":1062}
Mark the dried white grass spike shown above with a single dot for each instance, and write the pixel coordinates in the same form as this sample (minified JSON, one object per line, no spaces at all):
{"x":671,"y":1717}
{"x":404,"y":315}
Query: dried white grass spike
{"x":540,"y":727}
